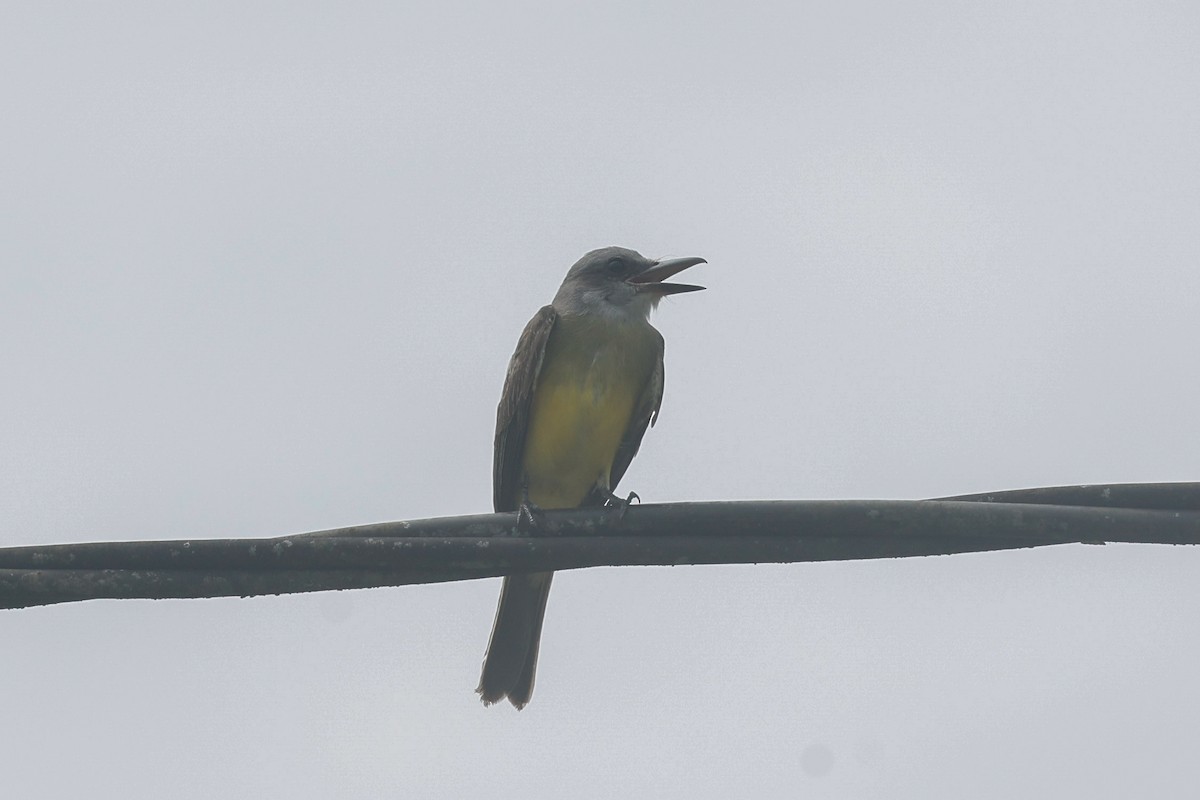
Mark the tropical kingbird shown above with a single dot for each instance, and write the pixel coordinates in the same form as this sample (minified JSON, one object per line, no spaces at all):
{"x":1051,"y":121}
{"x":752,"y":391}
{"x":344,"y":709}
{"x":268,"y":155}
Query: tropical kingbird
{"x":585,"y":382}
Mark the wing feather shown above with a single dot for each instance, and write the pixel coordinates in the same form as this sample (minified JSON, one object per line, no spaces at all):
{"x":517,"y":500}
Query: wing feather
{"x":512,"y":415}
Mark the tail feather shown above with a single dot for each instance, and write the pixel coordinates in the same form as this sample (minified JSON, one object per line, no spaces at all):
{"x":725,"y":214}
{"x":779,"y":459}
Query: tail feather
{"x":511,"y":661}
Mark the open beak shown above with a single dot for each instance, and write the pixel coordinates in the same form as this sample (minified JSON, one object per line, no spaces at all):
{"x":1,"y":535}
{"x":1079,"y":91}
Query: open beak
{"x":651,"y":279}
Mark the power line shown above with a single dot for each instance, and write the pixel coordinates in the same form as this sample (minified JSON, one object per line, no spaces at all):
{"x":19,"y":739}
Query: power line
{"x":487,"y":545}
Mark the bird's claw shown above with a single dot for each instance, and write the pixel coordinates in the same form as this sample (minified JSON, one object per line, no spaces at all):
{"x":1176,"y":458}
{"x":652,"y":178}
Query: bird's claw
{"x":527,"y":517}
{"x":621,"y":504}
{"x":528,"y":511}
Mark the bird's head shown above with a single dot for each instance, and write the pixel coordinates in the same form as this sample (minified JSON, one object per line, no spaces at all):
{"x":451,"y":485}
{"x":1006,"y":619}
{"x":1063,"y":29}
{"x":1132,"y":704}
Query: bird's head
{"x":620,"y":282}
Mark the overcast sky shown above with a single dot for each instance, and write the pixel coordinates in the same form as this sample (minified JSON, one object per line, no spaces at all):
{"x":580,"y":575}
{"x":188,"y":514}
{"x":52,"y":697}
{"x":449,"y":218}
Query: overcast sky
{"x":261,"y":271}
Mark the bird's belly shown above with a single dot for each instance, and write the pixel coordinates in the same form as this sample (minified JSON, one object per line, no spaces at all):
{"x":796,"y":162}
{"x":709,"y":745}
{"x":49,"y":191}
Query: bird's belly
{"x":574,"y":431}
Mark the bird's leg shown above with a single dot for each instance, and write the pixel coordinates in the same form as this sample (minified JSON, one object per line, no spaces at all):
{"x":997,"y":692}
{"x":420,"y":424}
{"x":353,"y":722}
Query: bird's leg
{"x":527,"y":511}
{"x":621,"y":504}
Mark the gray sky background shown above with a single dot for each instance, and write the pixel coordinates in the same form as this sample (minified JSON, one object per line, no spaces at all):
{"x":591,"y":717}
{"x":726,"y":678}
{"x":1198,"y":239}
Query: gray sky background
{"x":262,"y":270}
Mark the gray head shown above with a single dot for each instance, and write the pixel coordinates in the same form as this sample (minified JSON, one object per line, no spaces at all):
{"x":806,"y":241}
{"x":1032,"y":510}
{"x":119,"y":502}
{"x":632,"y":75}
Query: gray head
{"x":620,"y":282}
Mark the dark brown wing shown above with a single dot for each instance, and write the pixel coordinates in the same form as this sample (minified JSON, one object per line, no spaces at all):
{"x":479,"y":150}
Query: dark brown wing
{"x":512,"y":415}
{"x":644,"y":416}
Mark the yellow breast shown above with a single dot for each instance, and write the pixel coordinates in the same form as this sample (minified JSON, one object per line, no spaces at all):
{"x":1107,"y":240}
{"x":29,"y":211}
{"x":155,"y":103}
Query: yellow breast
{"x":584,"y":401}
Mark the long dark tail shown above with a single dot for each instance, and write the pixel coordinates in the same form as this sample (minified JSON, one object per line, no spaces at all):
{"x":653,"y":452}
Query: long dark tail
{"x":511,"y":660}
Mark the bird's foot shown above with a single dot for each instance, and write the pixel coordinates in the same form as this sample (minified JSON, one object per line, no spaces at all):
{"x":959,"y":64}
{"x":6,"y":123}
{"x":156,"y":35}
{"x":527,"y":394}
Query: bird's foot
{"x":621,"y":504}
{"x":528,"y":515}
{"x":528,"y":512}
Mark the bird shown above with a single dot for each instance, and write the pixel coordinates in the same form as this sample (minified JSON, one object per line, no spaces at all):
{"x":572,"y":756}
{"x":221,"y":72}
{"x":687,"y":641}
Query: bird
{"x":582,"y":387}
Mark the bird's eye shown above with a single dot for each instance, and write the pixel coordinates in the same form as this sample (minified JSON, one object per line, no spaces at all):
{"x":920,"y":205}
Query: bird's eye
{"x":614,"y":266}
